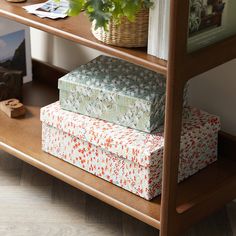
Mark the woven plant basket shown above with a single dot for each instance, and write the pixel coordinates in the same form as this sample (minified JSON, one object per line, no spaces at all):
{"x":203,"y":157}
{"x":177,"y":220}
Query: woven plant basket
{"x":127,"y":34}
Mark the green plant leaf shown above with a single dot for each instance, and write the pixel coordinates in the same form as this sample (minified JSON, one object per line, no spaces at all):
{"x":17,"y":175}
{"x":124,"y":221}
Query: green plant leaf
{"x":76,"y":7}
{"x":101,"y":11}
{"x":131,"y":8}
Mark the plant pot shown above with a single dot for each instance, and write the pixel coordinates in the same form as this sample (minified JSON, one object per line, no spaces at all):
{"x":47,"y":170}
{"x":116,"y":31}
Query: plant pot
{"x":126,"y":34}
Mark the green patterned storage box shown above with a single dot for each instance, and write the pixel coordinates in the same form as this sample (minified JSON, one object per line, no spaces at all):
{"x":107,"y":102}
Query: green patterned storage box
{"x":117,"y":91}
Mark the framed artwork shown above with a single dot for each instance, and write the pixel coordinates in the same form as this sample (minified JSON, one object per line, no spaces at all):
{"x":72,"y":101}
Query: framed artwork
{"x":210,"y":21}
{"x":15,"y":51}
{"x":205,"y":15}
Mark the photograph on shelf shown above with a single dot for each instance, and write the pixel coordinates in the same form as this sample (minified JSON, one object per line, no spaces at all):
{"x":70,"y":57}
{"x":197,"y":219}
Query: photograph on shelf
{"x":12,"y":55}
{"x":210,"y":21}
{"x":12,"y":64}
{"x":15,"y":56}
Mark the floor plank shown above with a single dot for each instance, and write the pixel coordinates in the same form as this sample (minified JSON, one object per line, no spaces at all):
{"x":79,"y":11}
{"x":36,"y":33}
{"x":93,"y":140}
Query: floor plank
{"x":31,"y":176}
{"x":8,"y":162}
{"x":217,"y":224}
{"x":10,"y":177}
{"x":135,"y":227}
{"x":33,"y":203}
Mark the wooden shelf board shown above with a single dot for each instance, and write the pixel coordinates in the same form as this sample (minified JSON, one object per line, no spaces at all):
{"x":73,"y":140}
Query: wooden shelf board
{"x":77,"y":29}
{"x":208,"y":182}
{"x":22,"y":138}
{"x":219,"y":53}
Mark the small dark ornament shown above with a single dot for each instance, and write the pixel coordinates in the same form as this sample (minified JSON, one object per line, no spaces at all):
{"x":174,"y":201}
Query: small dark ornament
{"x":10,"y":84}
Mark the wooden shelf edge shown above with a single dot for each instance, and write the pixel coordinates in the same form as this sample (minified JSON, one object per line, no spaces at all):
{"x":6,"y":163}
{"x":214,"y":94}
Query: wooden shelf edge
{"x":142,"y":59}
{"x":207,"y":197}
{"x":212,"y":202}
{"x":209,"y":57}
{"x":80,"y":185}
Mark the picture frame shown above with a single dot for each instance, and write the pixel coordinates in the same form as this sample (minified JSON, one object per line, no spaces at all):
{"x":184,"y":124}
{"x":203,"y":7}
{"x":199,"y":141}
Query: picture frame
{"x":210,"y":21}
{"x":15,"y":36}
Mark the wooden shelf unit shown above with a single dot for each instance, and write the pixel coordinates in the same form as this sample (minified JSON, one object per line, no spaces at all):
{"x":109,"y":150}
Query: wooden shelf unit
{"x":180,"y":205}
{"x":22,"y":138}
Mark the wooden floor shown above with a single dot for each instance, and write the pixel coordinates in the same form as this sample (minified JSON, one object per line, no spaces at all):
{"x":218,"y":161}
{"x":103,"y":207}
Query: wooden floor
{"x":33,"y":203}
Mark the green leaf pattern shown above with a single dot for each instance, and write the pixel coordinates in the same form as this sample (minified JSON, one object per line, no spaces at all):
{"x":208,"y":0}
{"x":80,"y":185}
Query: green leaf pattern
{"x":117,"y":91}
{"x":102,"y":11}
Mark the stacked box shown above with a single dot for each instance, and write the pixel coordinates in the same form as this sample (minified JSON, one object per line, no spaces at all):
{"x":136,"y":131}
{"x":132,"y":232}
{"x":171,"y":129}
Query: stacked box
{"x":126,"y":157}
{"x":116,"y":91}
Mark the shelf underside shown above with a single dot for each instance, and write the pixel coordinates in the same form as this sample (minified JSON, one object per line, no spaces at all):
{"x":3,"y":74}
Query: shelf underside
{"x":22,"y":138}
{"x":78,"y":30}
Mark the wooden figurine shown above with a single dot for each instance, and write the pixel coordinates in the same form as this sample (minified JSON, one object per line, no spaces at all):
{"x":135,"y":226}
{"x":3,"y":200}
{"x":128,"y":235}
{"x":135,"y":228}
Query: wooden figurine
{"x":12,"y":107}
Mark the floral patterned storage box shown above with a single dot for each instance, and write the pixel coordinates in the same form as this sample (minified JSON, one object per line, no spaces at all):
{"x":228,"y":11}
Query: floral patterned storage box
{"x":126,"y":157}
{"x":116,"y":91}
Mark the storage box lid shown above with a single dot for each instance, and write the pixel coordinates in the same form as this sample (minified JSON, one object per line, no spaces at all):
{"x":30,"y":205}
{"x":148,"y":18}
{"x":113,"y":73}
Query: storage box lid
{"x":117,"y":78}
{"x":131,"y":144}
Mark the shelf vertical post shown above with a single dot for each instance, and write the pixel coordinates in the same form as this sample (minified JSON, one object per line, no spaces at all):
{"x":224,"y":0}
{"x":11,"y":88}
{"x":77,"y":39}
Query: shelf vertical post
{"x":176,"y":78}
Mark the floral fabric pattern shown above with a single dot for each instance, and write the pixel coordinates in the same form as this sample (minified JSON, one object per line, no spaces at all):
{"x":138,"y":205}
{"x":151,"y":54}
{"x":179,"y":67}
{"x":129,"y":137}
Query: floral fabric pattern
{"x":117,"y":91}
{"x":128,"y":158}
{"x":134,"y":145}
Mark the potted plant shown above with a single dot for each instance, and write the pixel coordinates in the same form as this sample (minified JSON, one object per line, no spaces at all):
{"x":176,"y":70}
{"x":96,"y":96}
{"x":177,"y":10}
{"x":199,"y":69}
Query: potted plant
{"x":117,"y":22}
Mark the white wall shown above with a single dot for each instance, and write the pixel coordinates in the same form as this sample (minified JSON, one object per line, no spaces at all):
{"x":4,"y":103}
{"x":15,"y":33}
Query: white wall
{"x":58,"y":51}
{"x":214,"y":91}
